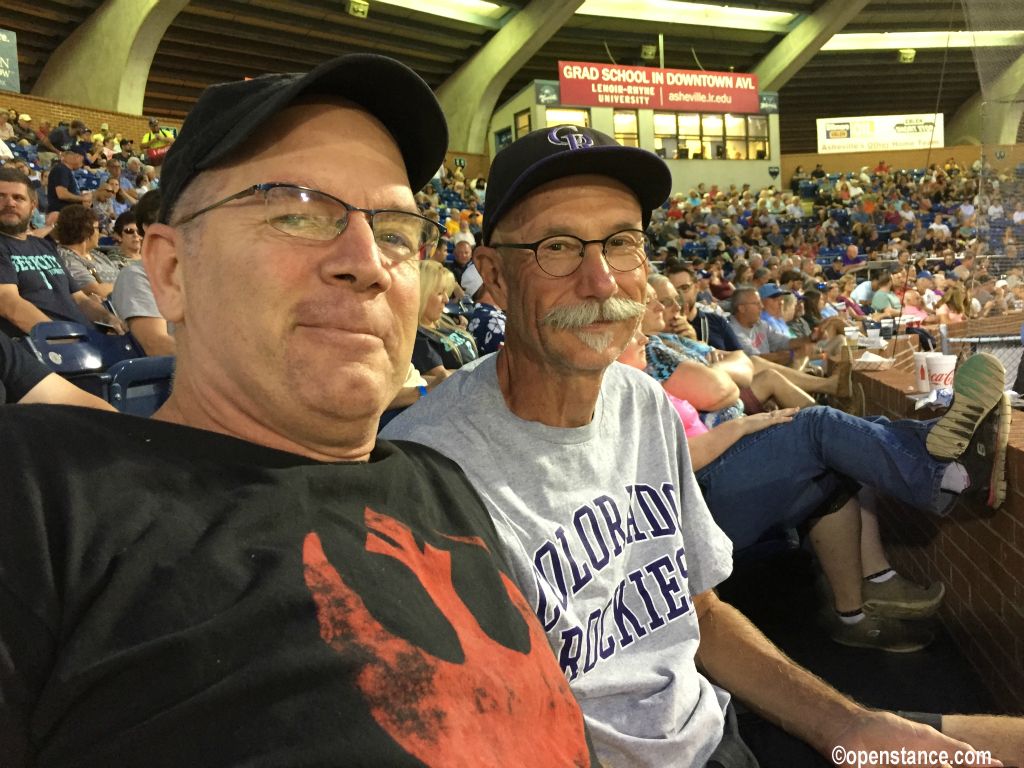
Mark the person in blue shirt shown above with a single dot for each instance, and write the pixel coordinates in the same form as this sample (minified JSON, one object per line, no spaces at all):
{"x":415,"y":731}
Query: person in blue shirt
{"x":771,"y":297}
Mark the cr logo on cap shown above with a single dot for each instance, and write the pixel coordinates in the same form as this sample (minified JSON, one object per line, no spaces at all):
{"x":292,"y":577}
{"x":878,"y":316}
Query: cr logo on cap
{"x":570,"y":136}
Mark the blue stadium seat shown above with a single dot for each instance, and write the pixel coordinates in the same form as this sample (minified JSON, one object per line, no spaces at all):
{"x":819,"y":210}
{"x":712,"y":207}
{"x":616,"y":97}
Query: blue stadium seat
{"x":65,"y":348}
{"x":139,"y":386}
{"x":81,"y":355}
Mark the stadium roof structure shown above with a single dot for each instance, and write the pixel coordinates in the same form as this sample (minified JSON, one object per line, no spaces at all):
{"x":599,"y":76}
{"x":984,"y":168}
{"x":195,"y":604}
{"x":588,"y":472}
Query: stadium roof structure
{"x":215,"y":40}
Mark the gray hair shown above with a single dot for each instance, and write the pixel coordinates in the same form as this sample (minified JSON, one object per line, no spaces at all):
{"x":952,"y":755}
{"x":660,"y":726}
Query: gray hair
{"x":655,"y":280}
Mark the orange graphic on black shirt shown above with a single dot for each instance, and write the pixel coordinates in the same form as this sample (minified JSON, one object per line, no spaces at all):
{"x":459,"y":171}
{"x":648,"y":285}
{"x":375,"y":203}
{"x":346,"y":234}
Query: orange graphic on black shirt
{"x":497,"y":707}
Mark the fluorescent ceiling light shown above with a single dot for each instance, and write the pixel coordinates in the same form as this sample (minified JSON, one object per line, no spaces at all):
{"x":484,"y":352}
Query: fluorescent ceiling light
{"x":478,"y":12}
{"x":696,"y":14}
{"x":867,"y":41}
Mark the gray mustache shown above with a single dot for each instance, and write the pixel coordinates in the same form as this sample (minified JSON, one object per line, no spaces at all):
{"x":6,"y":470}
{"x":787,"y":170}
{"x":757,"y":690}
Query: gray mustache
{"x":615,"y":309}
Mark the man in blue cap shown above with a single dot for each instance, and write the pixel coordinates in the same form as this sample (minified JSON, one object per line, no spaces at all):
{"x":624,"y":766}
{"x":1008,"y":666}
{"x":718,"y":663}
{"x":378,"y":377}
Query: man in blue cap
{"x":771,"y":307}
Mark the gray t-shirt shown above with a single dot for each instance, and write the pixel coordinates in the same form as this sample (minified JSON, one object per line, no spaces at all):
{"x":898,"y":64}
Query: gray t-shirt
{"x":609,"y":538}
{"x":133,"y":295}
{"x":759,"y":339}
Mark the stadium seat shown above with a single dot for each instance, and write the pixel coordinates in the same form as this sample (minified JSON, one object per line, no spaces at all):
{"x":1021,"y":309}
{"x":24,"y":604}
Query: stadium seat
{"x":139,"y":386}
{"x":65,"y":348}
{"x":81,"y":355}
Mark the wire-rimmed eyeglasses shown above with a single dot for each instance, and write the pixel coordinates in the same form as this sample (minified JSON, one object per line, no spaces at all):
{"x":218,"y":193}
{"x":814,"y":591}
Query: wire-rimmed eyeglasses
{"x":310,"y":214}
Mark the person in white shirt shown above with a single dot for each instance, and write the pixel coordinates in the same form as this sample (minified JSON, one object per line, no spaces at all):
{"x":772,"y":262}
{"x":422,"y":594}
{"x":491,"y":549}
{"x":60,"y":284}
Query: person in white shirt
{"x":940,"y":228}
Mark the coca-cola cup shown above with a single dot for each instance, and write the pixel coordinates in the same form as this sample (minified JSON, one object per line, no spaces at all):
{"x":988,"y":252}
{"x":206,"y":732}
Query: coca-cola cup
{"x":921,"y":371}
{"x":940,"y":371}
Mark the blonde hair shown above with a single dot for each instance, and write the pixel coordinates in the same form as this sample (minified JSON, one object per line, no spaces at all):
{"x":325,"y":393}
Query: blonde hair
{"x":434,"y":277}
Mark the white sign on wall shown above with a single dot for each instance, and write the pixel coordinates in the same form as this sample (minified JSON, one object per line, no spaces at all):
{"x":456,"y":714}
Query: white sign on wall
{"x":881,"y":133}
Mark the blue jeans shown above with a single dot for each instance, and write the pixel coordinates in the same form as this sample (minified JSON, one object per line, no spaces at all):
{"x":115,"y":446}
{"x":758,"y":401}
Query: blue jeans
{"x":783,"y":475}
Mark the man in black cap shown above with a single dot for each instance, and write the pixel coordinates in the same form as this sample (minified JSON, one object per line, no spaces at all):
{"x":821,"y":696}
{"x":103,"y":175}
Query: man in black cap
{"x":250,"y":578}
{"x":584,"y":467}
{"x":62,"y":187}
{"x":68,"y":137}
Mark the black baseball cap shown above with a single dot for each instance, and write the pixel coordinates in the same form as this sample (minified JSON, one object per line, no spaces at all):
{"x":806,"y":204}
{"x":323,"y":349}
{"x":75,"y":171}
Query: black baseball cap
{"x":228,"y":114}
{"x":567,"y":150}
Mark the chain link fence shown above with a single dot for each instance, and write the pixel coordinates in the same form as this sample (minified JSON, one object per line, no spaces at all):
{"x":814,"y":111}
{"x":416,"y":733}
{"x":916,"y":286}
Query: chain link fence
{"x":999,"y":336}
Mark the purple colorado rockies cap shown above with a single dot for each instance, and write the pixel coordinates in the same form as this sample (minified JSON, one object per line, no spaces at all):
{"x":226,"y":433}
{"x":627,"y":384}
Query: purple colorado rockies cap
{"x":568,"y":150}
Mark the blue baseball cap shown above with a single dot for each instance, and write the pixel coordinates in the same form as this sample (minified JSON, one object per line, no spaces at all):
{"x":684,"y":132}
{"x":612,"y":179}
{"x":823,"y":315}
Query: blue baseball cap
{"x":771,"y":290}
{"x":925,"y":273}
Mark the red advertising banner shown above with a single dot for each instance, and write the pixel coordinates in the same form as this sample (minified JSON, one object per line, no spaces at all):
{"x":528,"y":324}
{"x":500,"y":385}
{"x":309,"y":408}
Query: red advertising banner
{"x":585,"y":84}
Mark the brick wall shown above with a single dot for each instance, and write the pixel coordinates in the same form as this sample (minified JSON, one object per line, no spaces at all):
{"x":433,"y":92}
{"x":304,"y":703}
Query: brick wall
{"x":130,"y":126}
{"x":976,"y":552}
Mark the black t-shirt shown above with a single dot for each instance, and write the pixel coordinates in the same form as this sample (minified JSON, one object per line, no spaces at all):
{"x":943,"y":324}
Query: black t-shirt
{"x":61,"y":176}
{"x":19,"y":371}
{"x":448,"y":348}
{"x":176,"y":597}
{"x":61,"y":138}
{"x":714,"y":330}
{"x":42,"y":279}
{"x":456,"y":270}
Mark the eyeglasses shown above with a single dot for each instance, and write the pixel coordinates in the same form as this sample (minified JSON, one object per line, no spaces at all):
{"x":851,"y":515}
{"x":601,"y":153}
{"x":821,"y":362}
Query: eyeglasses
{"x":561,"y":255}
{"x":314,"y":215}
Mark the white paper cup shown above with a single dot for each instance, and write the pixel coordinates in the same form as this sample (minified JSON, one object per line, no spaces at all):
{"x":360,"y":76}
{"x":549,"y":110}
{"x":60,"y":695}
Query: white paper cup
{"x":940,"y":371}
{"x":921,"y":371}
{"x":874,"y":333}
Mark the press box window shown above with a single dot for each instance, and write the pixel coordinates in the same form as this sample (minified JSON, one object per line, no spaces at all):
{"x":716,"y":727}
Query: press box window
{"x":666,"y":136}
{"x":562,"y":116}
{"x":626,"y":131}
{"x":522,"y":122}
{"x":688,"y":130}
{"x":757,"y":131}
{"x":735,"y":137}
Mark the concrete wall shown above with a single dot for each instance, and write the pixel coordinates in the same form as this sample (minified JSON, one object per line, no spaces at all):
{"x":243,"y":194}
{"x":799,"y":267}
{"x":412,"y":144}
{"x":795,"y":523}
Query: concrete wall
{"x":504,"y":116}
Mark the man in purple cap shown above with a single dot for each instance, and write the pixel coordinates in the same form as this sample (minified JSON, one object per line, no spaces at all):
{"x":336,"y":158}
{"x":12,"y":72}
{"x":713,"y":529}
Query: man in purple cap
{"x":250,"y":578}
{"x":584,"y":468}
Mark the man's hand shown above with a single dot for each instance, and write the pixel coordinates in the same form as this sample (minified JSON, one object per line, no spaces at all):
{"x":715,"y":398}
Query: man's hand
{"x":681,"y":327}
{"x":885,"y":732}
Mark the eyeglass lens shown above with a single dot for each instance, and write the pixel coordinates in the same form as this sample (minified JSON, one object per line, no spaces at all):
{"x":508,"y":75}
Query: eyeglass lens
{"x":561,"y":255}
{"x":312,"y":215}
